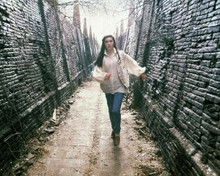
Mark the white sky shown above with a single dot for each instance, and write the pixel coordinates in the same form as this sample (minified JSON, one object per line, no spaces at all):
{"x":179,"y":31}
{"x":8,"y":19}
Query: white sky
{"x":102,"y":23}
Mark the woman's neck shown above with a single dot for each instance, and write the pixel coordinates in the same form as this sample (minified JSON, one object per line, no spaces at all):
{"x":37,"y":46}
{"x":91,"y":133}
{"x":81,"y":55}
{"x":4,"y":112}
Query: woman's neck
{"x":110,"y":51}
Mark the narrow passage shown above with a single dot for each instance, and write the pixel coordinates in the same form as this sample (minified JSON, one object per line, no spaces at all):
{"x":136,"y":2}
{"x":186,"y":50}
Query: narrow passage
{"x":83,"y":146}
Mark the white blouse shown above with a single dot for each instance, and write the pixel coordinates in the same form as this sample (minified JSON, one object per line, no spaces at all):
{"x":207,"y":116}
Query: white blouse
{"x":114,"y":84}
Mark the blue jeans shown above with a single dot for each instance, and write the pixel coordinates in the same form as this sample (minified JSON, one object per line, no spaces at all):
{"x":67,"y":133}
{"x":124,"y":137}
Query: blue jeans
{"x":114,"y":102}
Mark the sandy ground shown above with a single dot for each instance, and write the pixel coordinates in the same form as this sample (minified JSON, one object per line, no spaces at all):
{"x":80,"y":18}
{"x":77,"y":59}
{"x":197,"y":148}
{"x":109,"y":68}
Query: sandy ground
{"x":82,"y":144}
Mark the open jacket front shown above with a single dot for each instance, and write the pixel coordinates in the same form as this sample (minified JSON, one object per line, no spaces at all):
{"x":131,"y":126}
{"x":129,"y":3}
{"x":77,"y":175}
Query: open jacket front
{"x":126,"y":65}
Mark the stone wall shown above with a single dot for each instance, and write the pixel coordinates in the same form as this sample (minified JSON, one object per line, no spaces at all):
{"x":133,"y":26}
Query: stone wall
{"x":180,"y":46}
{"x":41,"y":63}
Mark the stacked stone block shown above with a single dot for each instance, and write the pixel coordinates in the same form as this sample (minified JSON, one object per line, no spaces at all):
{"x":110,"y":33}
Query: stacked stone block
{"x":40,"y":66}
{"x":181,"y":53}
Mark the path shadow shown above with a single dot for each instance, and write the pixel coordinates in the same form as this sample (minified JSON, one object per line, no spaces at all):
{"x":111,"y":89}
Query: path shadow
{"x":117,"y":152}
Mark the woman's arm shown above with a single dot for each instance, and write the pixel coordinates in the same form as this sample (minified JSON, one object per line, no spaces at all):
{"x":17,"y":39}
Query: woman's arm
{"x":132,"y":65}
{"x":98,"y":74}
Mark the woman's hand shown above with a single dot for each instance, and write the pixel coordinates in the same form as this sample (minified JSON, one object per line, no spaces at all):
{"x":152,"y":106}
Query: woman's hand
{"x":143,"y":76}
{"x":107,"y":76}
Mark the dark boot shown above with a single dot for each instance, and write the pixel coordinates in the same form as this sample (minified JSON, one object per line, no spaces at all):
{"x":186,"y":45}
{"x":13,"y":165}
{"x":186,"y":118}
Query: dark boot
{"x":117,"y":139}
{"x":113,"y":135}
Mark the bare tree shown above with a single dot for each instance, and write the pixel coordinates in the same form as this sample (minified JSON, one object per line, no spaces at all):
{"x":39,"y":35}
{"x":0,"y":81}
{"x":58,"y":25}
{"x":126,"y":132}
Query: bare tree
{"x":106,"y":6}
{"x":90,"y":6}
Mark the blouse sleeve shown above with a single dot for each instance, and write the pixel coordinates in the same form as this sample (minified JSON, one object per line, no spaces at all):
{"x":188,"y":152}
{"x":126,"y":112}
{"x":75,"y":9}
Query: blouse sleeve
{"x":132,"y":65}
{"x":98,"y":74}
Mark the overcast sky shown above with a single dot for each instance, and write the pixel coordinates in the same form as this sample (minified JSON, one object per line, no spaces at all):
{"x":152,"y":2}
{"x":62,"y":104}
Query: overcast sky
{"x":103,"y":22}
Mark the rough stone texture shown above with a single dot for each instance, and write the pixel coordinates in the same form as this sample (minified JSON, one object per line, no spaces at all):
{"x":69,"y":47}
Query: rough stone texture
{"x":179,"y":45}
{"x":40,"y":66}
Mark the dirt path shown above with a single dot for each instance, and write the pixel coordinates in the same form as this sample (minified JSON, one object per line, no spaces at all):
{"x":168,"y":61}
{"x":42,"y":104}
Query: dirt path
{"x":83,"y":146}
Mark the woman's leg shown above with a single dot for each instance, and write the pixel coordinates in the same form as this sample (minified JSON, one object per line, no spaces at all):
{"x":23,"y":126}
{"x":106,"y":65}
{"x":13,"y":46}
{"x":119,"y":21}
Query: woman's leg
{"x":118,"y":97}
{"x":110,"y":99}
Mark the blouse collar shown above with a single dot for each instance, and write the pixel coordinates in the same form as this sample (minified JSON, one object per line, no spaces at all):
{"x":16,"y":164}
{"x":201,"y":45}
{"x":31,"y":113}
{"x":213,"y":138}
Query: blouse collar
{"x":113,"y":49}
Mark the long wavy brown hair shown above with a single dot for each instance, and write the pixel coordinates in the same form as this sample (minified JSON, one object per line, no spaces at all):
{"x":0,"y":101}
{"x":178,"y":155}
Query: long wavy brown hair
{"x":99,"y":60}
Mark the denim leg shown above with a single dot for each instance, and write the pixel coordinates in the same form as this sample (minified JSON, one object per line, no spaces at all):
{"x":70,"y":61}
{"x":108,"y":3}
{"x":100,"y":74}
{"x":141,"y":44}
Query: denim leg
{"x":118,"y":97}
{"x":110,"y":99}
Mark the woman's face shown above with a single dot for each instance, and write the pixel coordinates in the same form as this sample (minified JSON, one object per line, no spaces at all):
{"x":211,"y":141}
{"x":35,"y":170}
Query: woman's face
{"x":109,"y":43}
